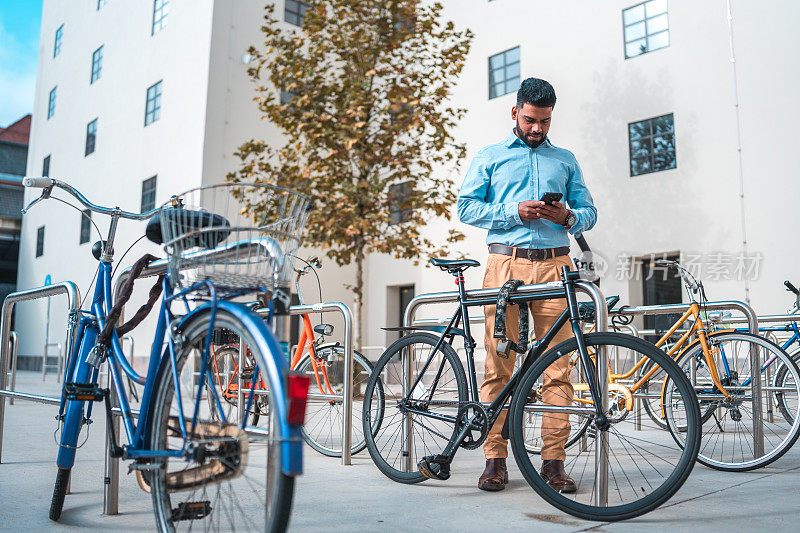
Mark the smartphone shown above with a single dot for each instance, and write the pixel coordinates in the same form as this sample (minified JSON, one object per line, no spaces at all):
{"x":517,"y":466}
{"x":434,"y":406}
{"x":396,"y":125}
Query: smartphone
{"x":550,"y":197}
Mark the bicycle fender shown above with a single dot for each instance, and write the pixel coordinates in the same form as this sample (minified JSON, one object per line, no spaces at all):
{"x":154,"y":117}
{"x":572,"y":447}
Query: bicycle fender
{"x":289,"y":436}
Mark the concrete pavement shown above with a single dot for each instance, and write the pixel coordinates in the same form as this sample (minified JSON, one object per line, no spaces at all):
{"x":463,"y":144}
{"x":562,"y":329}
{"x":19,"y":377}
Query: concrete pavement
{"x":331,"y":497}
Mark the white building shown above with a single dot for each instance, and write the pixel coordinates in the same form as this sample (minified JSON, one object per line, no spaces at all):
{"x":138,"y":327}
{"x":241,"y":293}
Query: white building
{"x":192,"y":55}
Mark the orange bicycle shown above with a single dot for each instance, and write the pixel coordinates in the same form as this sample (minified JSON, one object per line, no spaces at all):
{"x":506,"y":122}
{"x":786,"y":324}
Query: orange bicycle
{"x":322,"y":361}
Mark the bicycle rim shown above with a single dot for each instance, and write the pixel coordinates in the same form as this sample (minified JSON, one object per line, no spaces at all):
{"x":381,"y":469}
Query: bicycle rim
{"x":400,"y":438}
{"x":729,"y":433}
{"x":644,"y":465}
{"x":245,"y":487}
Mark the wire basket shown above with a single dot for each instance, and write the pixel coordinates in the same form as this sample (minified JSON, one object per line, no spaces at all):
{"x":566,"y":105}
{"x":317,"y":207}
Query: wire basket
{"x":240,"y":237}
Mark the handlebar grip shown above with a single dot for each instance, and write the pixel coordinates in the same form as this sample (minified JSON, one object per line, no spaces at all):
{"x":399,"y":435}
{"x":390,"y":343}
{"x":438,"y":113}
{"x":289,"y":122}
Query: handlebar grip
{"x":42,"y":183}
{"x":791,"y":287}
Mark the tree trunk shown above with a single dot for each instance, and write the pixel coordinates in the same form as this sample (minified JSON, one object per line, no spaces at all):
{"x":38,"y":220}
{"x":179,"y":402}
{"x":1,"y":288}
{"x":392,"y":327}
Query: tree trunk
{"x":359,"y":300}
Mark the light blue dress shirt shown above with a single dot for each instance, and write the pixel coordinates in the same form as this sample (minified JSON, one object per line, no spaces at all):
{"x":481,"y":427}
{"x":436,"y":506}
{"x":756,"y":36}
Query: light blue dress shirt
{"x":504,"y":174}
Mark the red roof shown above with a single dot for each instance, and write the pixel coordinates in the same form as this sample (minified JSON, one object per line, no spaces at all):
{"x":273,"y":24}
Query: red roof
{"x":18,"y":132}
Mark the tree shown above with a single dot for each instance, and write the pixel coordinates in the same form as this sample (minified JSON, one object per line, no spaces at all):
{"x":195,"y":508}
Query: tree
{"x":360,"y":93}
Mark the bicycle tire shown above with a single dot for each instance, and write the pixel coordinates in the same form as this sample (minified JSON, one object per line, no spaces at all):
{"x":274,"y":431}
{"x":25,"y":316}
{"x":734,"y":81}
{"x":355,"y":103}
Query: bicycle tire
{"x":640,"y":470}
{"x":328,"y":441}
{"x":59,"y":492}
{"x":270,"y":503}
{"x":778,"y":437}
{"x":378,"y":386}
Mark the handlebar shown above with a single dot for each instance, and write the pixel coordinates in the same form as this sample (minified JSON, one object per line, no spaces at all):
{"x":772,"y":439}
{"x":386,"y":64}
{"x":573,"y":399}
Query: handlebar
{"x":38,"y":182}
{"x":791,"y":287}
{"x":48,"y":183}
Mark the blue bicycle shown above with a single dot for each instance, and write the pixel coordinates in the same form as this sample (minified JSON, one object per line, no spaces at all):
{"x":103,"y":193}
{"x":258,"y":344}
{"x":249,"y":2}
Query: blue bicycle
{"x":207,"y":463}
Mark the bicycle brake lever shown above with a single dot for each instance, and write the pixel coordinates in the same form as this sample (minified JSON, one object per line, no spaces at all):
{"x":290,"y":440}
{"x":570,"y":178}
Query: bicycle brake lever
{"x":45,"y":195}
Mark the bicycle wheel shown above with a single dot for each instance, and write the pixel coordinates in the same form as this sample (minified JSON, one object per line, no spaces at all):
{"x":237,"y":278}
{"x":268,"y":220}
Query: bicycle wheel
{"x":59,"y":492}
{"x":644,"y":465}
{"x":397,"y":439}
{"x":324,"y":410}
{"x":232,"y":479}
{"x":224,"y":366}
{"x":728,"y":441}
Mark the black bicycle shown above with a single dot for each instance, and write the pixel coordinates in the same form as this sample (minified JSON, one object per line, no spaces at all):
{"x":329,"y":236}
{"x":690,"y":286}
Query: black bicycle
{"x":419,"y":399}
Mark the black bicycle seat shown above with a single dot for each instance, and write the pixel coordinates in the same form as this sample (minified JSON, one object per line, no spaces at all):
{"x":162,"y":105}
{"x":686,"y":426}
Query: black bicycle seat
{"x":454,"y":265}
{"x":185,"y":221}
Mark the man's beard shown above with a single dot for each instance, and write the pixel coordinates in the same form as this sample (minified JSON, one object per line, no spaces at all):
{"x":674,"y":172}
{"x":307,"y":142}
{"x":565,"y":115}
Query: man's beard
{"x":530,"y":142}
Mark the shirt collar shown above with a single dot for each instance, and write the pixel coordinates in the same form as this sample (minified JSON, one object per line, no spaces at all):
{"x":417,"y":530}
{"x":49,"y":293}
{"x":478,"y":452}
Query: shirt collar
{"x":513,"y":139}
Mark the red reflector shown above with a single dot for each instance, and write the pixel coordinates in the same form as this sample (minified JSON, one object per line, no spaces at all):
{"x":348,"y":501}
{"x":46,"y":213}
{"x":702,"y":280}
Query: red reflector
{"x":297,"y":392}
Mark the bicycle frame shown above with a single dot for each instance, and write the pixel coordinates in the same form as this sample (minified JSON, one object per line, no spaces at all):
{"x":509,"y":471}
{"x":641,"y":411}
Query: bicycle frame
{"x":495,"y":408}
{"x":80,"y":370}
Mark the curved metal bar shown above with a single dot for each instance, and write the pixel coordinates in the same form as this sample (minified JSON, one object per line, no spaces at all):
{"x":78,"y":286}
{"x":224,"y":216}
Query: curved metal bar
{"x":755,"y":356}
{"x":100,"y":209}
{"x":347,"y":403}
{"x":73,"y":303}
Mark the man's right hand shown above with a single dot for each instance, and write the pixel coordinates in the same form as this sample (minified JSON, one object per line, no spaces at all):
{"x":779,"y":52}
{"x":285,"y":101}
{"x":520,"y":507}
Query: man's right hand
{"x":529,"y":210}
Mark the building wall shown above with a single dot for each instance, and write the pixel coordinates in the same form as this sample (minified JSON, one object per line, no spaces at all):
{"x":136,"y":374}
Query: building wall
{"x":126,"y":151}
{"x":207,"y":111}
{"x":694,"y":208}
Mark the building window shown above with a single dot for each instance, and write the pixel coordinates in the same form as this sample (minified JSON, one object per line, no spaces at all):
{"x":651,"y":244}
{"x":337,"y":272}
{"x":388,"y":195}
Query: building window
{"x":100,"y":3}
{"x":504,"y":73}
{"x":57,"y":45}
{"x":46,"y":167}
{"x":159,"y":15}
{"x":86,"y":226}
{"x":97,"y":65}
{"x":51,"y":104}
{"x":399,"y":195}
{"x":149,"y":194}
{"x":294,"y":12}
{"x":91,"y":137}
{"x":152,"y":110}
{"x":645,"y":27}
{"x":652,"y":145}
{"x":40,"y":241}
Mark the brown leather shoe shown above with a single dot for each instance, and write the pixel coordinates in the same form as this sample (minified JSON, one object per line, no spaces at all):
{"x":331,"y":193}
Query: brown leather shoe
{"x":555,"y":476}
{"x":495,"y":475}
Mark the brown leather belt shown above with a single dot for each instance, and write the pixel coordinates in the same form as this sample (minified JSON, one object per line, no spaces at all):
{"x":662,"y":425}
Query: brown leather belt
{"x":531,"y":254}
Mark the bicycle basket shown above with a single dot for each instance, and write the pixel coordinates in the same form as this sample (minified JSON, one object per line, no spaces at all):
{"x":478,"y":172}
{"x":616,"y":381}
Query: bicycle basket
{"x":240,"y":237}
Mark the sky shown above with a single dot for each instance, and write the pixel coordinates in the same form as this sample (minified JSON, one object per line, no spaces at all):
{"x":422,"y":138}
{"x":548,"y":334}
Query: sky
{"x":19,"y":52}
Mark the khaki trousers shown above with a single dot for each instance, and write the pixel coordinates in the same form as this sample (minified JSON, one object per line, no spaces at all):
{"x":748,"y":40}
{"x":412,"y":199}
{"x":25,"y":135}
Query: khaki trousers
{"x":557,"y":389}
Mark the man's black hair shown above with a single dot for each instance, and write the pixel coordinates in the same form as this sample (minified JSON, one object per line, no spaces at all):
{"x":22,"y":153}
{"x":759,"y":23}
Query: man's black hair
{"x":536,"y":92}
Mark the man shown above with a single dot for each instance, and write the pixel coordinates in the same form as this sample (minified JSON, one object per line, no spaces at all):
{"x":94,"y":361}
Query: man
{"x":528,"y":240}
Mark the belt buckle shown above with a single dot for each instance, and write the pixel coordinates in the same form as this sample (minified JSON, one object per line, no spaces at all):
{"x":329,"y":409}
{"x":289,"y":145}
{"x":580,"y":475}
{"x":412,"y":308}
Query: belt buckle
{"x":534,"y":255}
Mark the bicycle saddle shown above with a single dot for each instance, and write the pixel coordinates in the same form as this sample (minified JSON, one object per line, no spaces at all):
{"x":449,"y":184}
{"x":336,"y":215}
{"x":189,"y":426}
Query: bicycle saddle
{"x":454,"y":265}
{"x":184,"y":223}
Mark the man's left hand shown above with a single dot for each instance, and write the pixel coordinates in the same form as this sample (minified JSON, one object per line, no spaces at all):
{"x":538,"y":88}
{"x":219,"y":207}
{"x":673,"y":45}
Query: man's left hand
{"x":555,"y":213}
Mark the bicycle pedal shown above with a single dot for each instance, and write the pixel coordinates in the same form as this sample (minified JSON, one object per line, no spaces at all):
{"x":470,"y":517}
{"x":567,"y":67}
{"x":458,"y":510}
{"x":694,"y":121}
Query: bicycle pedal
{"x":191,"y":511}
{"x":432,"y":470}
{"x":84,"y":392}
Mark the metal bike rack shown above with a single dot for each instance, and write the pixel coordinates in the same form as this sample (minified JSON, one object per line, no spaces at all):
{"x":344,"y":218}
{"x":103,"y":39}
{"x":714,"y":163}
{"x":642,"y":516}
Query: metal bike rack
{"x":59,"y":362}
{"x":347,"y":400}
{"x":14,"y":349}
{"x":490,"y":297}
{"x":755,"y":363}
{"x":73,"y":304}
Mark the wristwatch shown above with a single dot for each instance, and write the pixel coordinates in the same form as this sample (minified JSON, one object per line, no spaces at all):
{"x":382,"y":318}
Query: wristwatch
{"x":570,"y":220}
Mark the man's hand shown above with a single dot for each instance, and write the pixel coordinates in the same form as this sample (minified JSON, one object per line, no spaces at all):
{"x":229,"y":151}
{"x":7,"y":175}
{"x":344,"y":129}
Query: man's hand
{"x":529,"y":210}
{"x":555,"y":212}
